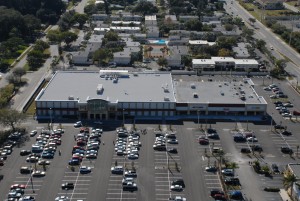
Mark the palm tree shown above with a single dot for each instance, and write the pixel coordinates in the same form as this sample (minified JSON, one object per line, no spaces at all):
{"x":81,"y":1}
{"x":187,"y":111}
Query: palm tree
{"x":288,"y":181}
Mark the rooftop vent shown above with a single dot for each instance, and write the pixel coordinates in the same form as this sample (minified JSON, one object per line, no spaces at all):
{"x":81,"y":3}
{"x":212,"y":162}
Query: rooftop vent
{"x":71,"y":97}
{"x":135,"y":74}
{"x":166,"y":98}
{"x":195,"y":95}
{"x":193,"y":86}
{"x":115,"y":80}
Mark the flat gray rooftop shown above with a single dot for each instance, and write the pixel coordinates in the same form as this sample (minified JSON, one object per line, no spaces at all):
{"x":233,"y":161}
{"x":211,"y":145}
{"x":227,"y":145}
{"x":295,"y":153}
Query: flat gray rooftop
{"x":215,"y":92}
{"x":145,"y":87}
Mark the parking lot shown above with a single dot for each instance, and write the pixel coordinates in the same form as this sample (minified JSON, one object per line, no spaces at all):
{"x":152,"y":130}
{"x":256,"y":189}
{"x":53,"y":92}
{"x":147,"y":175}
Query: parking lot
{"x":157,"y":170}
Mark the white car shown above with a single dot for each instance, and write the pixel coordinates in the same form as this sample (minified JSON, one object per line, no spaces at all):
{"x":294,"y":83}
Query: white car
{"x":27,"y":198}
{"x":177,"y":198}
{"x":33,"y":133}
{"x":252,"y":139}
{"x":273,"y":96}
{"x":62,"y":198}
{"x":78,"y":124}
{"x":38,"y":173}
{"x":286,"y":114}
{"x":267,"y":88}
{"x":133,"y":156}
{"x":176,"y":188}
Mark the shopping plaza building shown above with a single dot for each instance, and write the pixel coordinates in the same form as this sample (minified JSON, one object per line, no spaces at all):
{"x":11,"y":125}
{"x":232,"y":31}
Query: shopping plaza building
{"x":113,"y":94}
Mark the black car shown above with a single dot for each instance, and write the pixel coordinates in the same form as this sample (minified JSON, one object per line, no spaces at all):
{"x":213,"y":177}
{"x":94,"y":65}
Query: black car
{"x":275,"y":168}
{"x":173,"y":150}
{"x":239,"y":138}
{"x":286,"y":150}
{"x":67,"y":186}
{"x":26,"y":170}
{"x":256,"y":148}
{"x":25,"y":152}
{"x":214,"y":136}
{"x":233,"y":181}
{"x":211,"y":130}
{"x":245,"y":150}
{"x":179,"y":182}
{"x":278,"y":126}
{"x":214,"y":192}
{"x":288,"y":133}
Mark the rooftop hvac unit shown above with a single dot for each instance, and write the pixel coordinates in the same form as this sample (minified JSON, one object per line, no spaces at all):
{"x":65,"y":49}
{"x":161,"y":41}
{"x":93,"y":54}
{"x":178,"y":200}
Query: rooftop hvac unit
{"x":193,"y":86}
{"x":195,"y":95}
{"x":100,"y":89}
{"x":166,"y":99}
{"x":71,"y":97}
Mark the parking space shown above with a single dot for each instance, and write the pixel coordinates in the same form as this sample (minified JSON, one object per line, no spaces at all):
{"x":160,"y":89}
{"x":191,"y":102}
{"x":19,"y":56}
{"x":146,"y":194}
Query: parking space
{"x":208,"y":155}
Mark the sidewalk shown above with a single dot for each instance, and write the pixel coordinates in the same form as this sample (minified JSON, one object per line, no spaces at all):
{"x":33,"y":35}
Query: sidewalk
{"x":284,"y":195}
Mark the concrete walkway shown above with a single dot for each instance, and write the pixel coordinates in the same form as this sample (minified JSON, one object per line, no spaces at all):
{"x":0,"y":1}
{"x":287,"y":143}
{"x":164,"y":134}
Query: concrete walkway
{"x":284,"y":195}
{"x":292,"y":8}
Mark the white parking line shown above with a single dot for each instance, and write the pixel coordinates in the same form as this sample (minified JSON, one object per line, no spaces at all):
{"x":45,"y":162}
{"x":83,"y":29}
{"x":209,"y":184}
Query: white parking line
{"x":72,"y":193}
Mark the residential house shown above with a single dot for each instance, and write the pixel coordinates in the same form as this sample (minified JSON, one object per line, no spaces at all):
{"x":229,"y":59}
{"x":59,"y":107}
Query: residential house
{"x":179,"y":42}
{"x":128,"y":17}
{"x":185,"y":18}
{"x":100,"y":17}
{"x":152,"y":32}
{"x":201,"y":42}
{"x":124,"y":57}
{"x":170,"y":19}
{"x":175,"y":57}
{"x":150,"y":20}
{"x":271,"y":4}
{"x":85,"y":57}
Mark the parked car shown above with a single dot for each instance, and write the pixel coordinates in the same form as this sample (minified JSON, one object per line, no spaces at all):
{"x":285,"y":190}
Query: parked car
{"x":178,"y":182}
{"x":26,"y":170}
{"x":285,"y":132}
{"x":38,"y":173}
{"x":85,"y":170}
{"x":176,"y":188}
{"x":214,"y":192}
{"x":203,"y":141}
{"x":130,"y":173}
{"x":177,"y":198}
{"x":25,"y":152}
{"x":211,"y":169}
{"x":172,"y":150}
{"x":172,"y":141}
{"x":256,"y":148}
{"x":214,"y":136}
{"x":233,"y":181}
{"x":78,"y":124}
{"x":117,"y":170}
{"x":27,"y":198}
{"x":130,"y":186}
{"x":67,"y":186}
{"x":286,"y":150}
{"x":33,"y":133}
{"x":245,"y":150}
{"x":278,"y":126}
{"x":228,"y":172}
{"x":275,"y":168}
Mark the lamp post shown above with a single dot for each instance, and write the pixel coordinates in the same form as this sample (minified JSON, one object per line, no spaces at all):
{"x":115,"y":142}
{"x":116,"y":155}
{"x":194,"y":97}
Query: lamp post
{"x":198,"y":113}
{"x":50,"y":117}
{"x":123,"y":118}
{"x":271,"y":122}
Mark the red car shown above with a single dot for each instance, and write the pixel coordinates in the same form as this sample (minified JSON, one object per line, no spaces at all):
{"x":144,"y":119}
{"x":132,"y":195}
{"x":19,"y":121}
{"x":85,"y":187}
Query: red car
{"x":296,"y":113}
{"x":77,"y":158}
{"x":81,"y":143}
{"x":203,"y":141}
{"x":15,"y":186}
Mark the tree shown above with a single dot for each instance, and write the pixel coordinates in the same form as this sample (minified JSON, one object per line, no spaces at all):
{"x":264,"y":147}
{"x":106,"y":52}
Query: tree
{"x":228,"y":27}
{"x":193,"y":25}
{"x":281,"y":64}
{"x":288,"y":180}
{"x":103,"y":56}
{"x":145,"y":7}
{"x":18,"y":73}
{"x":260,"y":44}
{"x":162,"y":62}
{"x":224,"y":52}
{"x":80,"y":19}
{"x":54,"y":36}
{"x":68,"y":37}
{"x":11,"y":118}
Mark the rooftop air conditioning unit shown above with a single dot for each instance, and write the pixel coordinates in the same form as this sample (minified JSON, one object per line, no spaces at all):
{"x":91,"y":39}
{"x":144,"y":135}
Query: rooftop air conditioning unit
{"x":166,"y":99}
{"x":71,"y":97}
{"x":193,"y":86}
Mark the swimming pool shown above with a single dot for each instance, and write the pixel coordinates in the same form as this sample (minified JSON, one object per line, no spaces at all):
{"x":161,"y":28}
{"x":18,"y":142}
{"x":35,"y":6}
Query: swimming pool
{"x":161,"y":42}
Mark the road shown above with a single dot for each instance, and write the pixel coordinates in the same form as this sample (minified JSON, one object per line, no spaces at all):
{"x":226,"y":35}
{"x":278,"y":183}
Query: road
{"x":266,"y":34}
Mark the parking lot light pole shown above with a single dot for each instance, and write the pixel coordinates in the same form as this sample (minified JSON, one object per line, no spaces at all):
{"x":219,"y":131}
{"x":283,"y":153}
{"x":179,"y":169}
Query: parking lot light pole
{"x":198,"y":113}
{"x":31,"y":184}
{"x":50,"y":117}
{"x":271,"y":122}
{"x":123,"y":118}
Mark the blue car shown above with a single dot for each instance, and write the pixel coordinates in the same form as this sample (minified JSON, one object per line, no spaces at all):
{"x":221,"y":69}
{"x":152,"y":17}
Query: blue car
{"x":79,"y":151}
{"x":85,"y":170}
{"x":74,"y":162}
{"x":47,"y":156}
